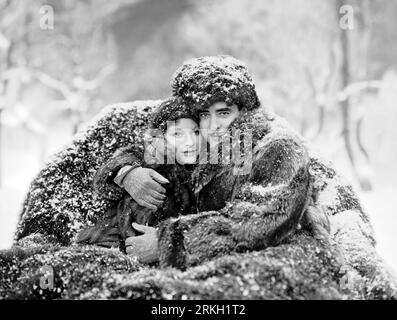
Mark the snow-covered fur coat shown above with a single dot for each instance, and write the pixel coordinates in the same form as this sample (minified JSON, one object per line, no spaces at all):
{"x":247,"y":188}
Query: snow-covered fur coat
{"x":61,"y":201}
{"x":265,"y":202}
{"x":255,"y":201}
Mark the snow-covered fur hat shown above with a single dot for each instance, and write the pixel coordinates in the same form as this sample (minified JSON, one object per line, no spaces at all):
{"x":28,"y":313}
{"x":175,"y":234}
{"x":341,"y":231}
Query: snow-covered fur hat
{"x":169,"y":110}
{"x":200,"y":82}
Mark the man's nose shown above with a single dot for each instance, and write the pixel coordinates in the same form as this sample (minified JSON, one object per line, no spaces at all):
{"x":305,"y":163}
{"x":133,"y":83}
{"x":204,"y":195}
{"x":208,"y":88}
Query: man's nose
{"x":213,"y":124}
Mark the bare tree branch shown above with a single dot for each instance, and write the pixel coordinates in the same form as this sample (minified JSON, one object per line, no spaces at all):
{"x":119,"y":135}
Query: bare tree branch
{"x":357,"y":87}
{"x":53,"y":83}
{"x":359,"y":138}
{"x":320,"y":95}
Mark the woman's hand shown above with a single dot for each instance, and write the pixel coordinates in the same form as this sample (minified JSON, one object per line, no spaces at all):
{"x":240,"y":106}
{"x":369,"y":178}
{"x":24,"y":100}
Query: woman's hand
{"x":144,"y":186}
{"x":144,"y":246}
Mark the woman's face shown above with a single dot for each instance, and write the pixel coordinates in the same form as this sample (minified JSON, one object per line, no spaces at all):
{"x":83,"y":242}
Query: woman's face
{"x":215,"y":120}
{"x":183,"y":137}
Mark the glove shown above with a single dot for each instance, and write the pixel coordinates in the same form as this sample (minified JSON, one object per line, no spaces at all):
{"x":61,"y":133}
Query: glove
{"x":144,"y":246}
{"x":144,"y":186}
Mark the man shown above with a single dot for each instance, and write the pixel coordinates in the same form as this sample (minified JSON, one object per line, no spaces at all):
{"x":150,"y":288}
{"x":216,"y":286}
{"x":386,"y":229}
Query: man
{"x":278,"y":155}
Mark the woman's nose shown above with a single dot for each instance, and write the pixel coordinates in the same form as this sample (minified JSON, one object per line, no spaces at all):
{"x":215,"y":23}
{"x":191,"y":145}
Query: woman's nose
{"x":190,"y":139}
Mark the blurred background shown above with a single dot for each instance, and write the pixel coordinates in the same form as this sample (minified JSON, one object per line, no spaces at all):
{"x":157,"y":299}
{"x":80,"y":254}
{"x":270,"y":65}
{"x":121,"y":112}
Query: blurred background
{"x":329,"y":67}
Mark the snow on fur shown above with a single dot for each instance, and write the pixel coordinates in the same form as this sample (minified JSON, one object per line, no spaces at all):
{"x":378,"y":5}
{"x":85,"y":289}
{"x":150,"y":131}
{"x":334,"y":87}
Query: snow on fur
{"x":205,"y":80}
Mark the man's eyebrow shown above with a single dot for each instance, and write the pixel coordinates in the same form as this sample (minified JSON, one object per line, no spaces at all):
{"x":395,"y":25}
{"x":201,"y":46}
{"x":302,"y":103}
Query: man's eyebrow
{"x":223,"y":109}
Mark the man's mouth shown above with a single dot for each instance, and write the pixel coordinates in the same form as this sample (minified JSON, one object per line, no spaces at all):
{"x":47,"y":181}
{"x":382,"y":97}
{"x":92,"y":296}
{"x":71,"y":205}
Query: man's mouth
{"x":217,"y":134}
{"x":189,"y":153}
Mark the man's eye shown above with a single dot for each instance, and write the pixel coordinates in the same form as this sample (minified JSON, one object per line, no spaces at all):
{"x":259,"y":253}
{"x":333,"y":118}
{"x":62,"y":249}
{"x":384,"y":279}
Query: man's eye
{"x":224,"y":113}
{"x":203,"y":115}
{"x":197,"y":132}
{"x":177,"y":134}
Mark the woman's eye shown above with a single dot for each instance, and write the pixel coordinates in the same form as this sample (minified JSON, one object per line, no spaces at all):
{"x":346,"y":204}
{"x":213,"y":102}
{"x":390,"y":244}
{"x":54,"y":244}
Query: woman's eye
{"x":197,"y":132}
{"x":177,"y":134}
{"x":203,"y":115}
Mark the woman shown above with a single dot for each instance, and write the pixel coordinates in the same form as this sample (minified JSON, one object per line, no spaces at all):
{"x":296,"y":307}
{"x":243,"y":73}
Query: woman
{"x":174,"y":155}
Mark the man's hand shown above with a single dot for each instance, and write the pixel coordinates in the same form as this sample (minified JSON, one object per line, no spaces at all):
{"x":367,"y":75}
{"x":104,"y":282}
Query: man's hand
{"x":144,"y":186}
{"x":145,"y":246}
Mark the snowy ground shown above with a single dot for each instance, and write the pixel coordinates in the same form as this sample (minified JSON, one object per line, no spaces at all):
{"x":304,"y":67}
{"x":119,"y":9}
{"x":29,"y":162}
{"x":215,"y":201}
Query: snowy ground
{"x":10,"y":202}
{"x":19,"y":164}
{"x":382,"y":206}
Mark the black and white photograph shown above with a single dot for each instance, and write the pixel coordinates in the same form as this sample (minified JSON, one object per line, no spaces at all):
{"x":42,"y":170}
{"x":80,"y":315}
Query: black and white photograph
{"x":172,"y":150}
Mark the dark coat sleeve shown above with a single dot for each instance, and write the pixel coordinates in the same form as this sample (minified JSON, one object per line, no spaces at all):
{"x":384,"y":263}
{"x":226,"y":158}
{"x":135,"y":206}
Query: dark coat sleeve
{"x":103,"y":179}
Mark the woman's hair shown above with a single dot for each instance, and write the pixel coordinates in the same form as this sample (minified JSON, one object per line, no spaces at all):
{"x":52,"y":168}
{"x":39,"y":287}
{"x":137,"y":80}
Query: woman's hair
{"x":169,"y":110}
{"x":203,"y":81}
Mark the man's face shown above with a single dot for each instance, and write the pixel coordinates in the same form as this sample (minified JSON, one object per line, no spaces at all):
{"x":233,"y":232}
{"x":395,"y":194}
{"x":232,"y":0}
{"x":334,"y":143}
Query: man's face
{"x":215,"y":120}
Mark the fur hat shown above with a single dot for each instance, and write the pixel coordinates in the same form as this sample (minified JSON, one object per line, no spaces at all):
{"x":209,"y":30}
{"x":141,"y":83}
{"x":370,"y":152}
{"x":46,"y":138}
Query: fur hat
{"x":200,"y":82}
{"x":171,"y":109}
